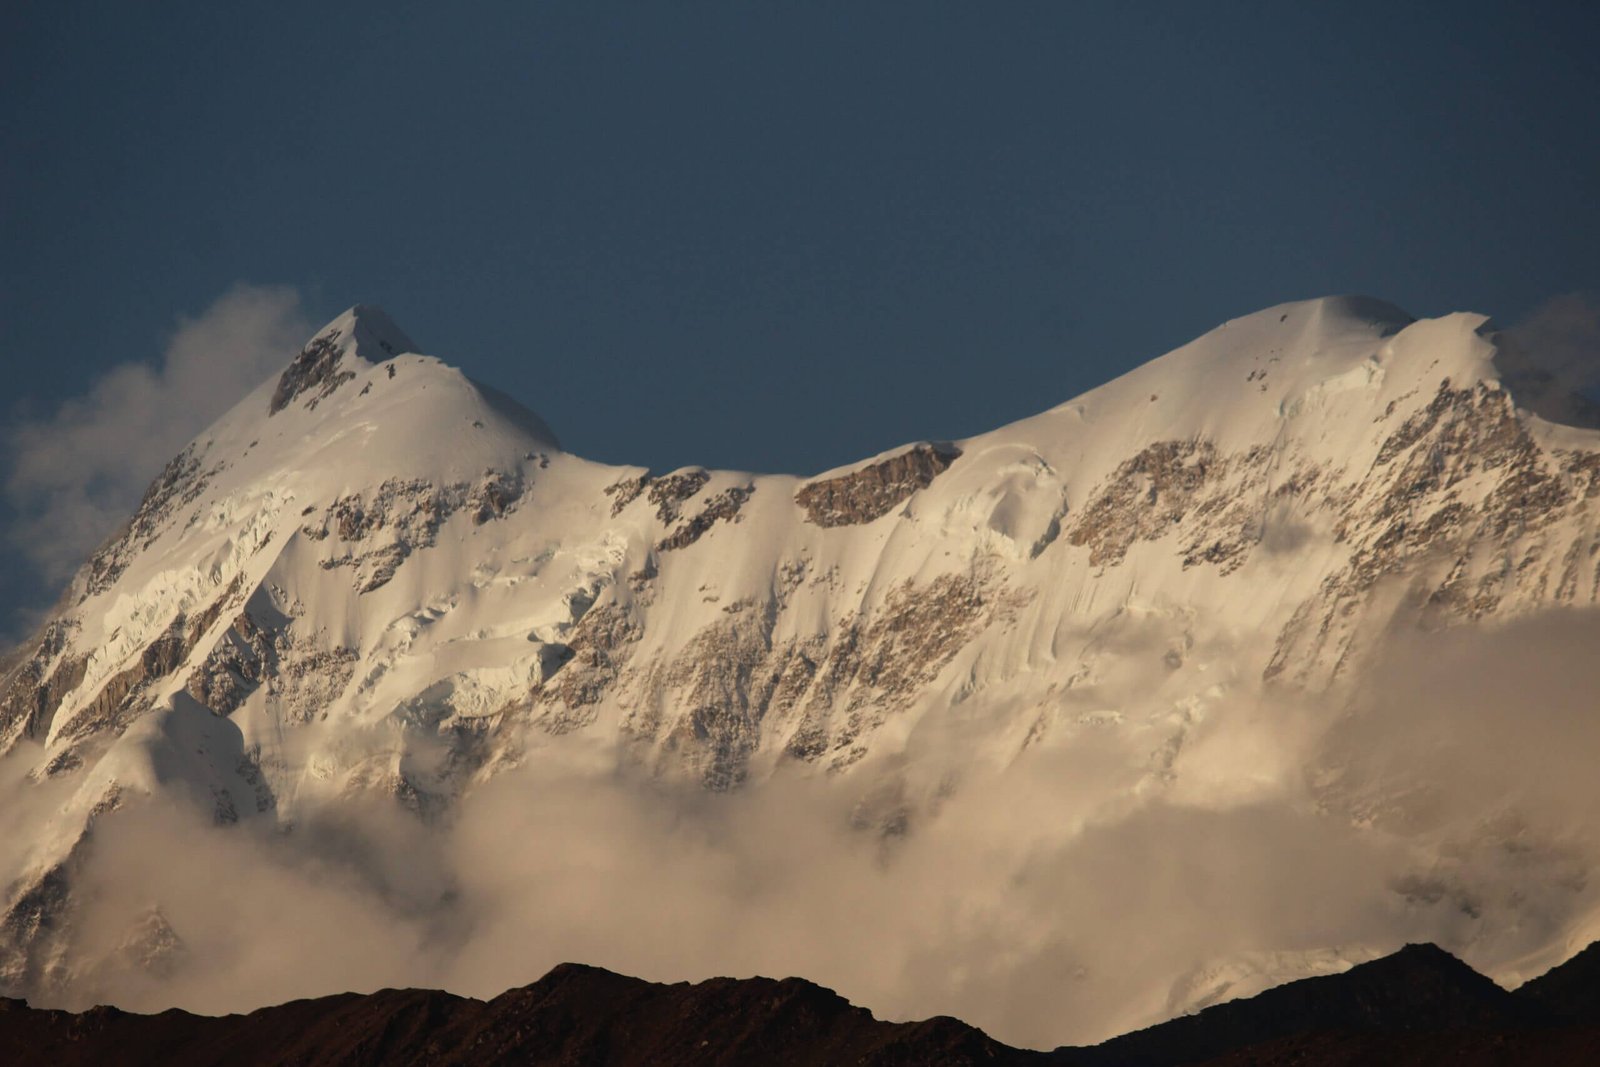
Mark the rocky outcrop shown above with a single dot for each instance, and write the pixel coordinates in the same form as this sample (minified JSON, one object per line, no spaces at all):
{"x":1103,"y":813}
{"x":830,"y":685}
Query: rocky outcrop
{"x":1147,"y":495}
{"x":625,"y":492}
{"x":1213,"y":502}
{"x":667,"y":493}
{"x":240,"y":661}
{"x":404,"y":516}
{"x":734,"y":682}
{"x":117,"y":703}
{"x":120,"y":698}
{"x":872,"y":491}
{"x":586,"y":666}
{"x":315,"y":370}
{"x":1460,"y":496}
{"x":722,"y":507}
{"x":492,"y":496}
{"x":32,"y":688}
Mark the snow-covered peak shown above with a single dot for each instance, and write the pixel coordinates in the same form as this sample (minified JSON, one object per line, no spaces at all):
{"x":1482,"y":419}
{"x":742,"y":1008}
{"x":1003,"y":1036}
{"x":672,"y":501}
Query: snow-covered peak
{"x":1314,"y":371}
{"x":352,"y":342}
{"x":367,"y":332}
{"x":1332,"y":315}
{"x":333,"y":428}
{"x":359,"y":391}
{"x":374,"y":578}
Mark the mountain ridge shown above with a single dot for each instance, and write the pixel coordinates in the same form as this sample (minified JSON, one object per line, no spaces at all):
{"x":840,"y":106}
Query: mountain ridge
{"x":1418,"y":999}
{"x":374,"y":580}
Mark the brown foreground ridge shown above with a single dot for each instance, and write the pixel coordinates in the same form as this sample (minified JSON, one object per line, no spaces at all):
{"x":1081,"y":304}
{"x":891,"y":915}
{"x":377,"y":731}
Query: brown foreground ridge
{"x":1418,"y":1006}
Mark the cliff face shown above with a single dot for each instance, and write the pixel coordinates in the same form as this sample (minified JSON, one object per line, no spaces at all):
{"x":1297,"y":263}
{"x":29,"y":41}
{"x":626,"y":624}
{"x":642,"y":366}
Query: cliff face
{"x":872,"y":491}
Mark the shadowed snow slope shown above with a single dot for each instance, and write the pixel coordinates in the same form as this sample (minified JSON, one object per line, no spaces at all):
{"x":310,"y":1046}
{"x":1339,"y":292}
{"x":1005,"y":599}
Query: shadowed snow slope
{"x":1118,"y":702}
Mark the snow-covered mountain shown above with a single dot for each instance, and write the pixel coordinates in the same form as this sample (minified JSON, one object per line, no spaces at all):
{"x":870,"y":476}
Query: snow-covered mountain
{"x":376,"y":578}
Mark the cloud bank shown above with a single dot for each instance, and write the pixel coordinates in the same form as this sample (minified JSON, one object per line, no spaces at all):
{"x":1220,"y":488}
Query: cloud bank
{"x":1047,"y":902}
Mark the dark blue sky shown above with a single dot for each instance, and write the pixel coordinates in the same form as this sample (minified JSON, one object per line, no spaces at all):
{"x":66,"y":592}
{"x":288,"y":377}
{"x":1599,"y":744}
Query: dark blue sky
{"x":782,"y":236}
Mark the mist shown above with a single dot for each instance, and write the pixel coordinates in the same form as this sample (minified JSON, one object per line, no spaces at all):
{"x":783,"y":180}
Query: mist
{"x":72,"y":474}
{"x":1056,"y":900}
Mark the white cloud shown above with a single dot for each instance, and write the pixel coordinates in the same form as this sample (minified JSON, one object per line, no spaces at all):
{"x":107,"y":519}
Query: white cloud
{"x":75,"y":475}
{"x":1041,"y":902}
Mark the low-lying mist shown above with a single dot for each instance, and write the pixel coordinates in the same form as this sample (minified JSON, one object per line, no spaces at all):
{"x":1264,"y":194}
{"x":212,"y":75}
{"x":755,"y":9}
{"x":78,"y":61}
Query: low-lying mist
{"x":1065,"y":898}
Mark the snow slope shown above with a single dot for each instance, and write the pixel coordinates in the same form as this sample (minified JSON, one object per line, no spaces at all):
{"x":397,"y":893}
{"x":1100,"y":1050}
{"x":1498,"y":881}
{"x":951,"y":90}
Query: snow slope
{"x":374,"y":577}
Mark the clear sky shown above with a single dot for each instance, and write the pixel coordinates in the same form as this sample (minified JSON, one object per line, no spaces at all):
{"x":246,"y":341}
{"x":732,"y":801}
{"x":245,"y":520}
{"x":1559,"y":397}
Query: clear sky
{"x":779,"y":236}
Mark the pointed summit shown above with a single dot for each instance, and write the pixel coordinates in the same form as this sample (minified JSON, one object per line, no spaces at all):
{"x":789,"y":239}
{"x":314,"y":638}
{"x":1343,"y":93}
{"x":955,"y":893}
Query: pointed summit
{"x":368,"y":333}
{"x":364,"y":332}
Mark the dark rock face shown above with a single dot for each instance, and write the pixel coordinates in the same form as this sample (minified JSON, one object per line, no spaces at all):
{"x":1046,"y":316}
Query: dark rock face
{"x":1575,"y":1046}
{"x":574,"y":1015}
{"x":315,"y":368}
{"x":33,"y":685}
{"x":1418,"y":1006}
{"x":245,"y":656}
{"x":667,"y":493}
{"x":1210,"y":499}
{"x":582,"y":669}
{"x":1420,"y":989}
{"x":1571,"y":990}
{"x":409,"y":514}
{"x":724,"y":506}
{"x":874,"y":490}
{"x":739,"y":678}
{"x":121,"y":698}
{"x":625,"y":492}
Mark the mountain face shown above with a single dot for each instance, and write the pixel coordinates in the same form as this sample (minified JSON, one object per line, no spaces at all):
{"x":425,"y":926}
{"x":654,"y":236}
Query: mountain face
{"x":1325,"y":566}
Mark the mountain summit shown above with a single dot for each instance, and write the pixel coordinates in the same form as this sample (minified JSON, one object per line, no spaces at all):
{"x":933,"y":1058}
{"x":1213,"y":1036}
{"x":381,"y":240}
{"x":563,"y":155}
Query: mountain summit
{"x":360,"y":337}
{"x":374,"y":581}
